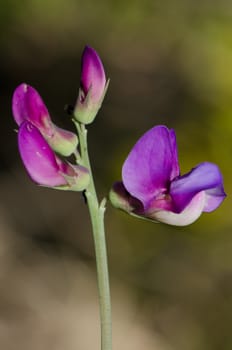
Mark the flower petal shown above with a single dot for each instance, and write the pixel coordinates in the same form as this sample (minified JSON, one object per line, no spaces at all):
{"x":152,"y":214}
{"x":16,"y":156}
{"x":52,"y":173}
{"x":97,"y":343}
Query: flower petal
{"x":28,"y":105}
{"x":204,"y":177}
{"x":214,"y":198}
{"x":37,"y":156}
{"x":92,"y":74}
{"x":175,"y":164}
{"x":190,"y":214}
{"x":151,"y":164}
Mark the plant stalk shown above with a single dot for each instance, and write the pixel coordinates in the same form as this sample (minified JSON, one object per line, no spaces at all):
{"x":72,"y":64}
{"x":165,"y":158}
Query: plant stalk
{"x":96,"y":211}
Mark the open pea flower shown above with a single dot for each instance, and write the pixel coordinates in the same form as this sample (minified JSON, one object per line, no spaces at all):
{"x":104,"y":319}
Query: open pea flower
{"x":43,"y":165}
{"x":27,"y":104}
{"x":153,"y":188}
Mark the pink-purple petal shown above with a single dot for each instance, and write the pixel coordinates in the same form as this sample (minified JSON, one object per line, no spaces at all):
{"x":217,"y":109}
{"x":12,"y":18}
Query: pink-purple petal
{"x":213,"y":198}
{"x":37,"y":156}
{"x":175,"y":164}
{"x":92,"y":74}
{"x":204,"y":177}
{"x":27,"y":104}
{"x":151,"y":165}
{"x":190,"y":213}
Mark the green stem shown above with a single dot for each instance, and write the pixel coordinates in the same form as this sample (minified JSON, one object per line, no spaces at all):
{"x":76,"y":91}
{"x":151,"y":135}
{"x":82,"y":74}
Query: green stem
{"x":97,"y":219}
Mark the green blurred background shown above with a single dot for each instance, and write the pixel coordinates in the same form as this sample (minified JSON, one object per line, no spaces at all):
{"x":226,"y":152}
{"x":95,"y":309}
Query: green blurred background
{"x":170,"y":62}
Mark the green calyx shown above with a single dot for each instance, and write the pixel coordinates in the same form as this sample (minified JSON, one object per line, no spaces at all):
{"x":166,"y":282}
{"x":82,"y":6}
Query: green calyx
{"x":86,"y":108}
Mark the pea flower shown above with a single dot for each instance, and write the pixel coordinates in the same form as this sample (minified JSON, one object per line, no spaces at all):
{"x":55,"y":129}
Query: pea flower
{"x":42,"y":164}
{"x":153,"y":188}
{"x":28,"y":105}
{"x":93,"y":86}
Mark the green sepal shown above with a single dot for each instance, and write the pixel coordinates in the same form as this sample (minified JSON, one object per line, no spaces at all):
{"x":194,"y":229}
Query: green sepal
{"x":85,"y":111}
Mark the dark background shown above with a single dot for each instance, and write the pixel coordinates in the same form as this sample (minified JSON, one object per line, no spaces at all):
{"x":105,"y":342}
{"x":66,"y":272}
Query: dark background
{"x":170,"y":62}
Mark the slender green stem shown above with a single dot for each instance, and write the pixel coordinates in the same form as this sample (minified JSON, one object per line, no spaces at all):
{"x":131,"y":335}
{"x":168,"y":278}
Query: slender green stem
{"x":97,"y":220}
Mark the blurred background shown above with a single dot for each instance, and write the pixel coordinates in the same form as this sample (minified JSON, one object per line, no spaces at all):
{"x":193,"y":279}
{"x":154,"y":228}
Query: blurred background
{"x":170,"y":62}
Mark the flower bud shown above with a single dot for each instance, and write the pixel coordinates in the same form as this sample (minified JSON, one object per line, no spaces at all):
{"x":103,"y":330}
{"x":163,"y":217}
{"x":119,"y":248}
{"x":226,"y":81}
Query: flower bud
{"x":28,"y":105}
{"x":93,"y":87}
{"x":42,"y":164}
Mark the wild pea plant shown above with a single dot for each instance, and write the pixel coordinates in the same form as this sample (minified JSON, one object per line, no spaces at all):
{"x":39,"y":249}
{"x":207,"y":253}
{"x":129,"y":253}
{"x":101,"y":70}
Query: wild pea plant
{"x":151,"y":187}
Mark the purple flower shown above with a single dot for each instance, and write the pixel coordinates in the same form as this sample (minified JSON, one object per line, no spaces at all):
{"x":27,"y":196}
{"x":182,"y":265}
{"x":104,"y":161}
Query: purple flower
{"x":42,"y":164}
{"x":93,"y":86}
{"x":153,"y":188}
{"x":28,"y":105}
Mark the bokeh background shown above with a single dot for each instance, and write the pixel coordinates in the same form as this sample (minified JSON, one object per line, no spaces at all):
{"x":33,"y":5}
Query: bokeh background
{"x":170,"y":62}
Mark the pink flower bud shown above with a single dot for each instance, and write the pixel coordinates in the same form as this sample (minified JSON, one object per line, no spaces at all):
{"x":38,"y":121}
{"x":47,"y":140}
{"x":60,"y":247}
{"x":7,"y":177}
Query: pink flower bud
{"x":92,"y":74}
{"x":28,"y":105}
{"x":93,"y":86}
{"x":42,"y":164}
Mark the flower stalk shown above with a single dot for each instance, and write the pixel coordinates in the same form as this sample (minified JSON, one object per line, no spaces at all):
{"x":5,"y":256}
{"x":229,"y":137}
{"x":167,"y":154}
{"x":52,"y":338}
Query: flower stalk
{"x":97,"y":211}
